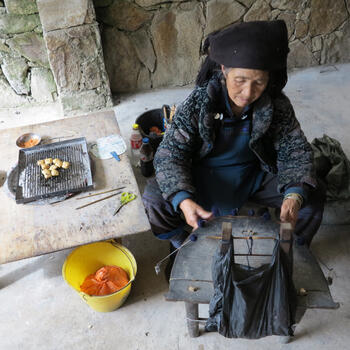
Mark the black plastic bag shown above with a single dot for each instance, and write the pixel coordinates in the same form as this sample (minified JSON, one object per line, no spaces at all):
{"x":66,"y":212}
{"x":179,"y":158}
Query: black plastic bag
{"x":252,"y":302}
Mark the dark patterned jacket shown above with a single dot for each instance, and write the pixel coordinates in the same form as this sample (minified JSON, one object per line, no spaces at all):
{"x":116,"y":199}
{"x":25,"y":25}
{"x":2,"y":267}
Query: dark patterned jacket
{"x":276,"y":139}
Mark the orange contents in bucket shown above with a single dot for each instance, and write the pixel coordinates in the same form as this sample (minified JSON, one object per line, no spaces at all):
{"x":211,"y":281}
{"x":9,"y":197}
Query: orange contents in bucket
{"x":156,"y":130}
{"x":106,"y":280}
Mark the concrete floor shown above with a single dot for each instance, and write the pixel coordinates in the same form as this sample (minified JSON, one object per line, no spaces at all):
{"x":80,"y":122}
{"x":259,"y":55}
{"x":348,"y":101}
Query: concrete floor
{"x":40,"y":311}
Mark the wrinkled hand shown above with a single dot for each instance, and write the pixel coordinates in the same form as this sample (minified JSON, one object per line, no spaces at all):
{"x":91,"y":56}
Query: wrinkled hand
{"x":193,"y":212}
{"x":289,"y":211}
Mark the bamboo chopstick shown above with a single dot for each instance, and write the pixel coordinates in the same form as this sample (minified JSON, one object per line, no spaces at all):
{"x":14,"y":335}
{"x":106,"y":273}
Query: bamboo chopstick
{"x":96,"y":194}
{"x":99,"y":200}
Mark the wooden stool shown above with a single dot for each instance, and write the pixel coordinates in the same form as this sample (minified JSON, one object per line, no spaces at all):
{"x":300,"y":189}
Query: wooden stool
{"x":191,"y":277}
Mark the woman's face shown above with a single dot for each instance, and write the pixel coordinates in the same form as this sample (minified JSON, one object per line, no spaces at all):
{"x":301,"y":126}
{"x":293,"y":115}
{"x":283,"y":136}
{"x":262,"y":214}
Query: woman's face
{"x":245,"y":86}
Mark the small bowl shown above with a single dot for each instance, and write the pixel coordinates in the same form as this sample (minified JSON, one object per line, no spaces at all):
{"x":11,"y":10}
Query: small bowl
{"x":28,"y":140}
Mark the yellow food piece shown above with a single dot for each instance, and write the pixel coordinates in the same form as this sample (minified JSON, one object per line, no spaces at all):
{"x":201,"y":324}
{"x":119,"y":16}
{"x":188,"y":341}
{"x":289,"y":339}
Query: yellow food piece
{"x":57,"y":162}
{"x":45,"y":166}
{"x":65,"y":165}
{"x":49,"y":166}
{"x":46,"y":171}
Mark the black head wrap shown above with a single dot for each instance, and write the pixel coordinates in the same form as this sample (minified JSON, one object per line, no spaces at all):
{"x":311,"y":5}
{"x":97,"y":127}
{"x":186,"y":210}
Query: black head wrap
{"x":253,"y":45}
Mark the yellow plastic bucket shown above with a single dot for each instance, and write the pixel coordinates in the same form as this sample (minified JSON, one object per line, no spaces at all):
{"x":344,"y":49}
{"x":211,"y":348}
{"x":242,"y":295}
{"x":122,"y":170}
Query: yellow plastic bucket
{"x":87,"y":259}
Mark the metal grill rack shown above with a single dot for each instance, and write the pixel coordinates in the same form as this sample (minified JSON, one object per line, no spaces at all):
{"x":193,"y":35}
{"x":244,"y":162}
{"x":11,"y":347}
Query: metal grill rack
{"x":33,"y":186}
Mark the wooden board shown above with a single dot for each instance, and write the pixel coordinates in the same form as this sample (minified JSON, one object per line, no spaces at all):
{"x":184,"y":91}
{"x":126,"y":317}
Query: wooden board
{"x":28,"y":230}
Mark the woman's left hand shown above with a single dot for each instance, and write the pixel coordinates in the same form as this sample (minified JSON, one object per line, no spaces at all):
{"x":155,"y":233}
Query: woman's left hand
{"x":289,"y":211}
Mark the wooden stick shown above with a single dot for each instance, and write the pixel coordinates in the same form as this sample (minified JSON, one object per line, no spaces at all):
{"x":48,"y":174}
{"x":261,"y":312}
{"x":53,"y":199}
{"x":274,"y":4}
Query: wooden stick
{"x":252,"y":254}
{"x":286,"y":235}
{"x":96,"y":194}
{"x":235,"y":237}
{"x":226,"y":235}
{"x":69,"y":195}
{"x":60,"y":137}
{"x":99,"y":200}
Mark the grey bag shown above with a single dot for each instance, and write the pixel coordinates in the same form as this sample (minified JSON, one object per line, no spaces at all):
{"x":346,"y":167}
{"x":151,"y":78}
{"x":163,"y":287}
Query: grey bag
{"x":332,"y":166}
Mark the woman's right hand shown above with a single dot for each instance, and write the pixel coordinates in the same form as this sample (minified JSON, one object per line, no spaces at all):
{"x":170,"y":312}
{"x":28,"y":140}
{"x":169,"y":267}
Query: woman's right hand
{"x":193,"y":212}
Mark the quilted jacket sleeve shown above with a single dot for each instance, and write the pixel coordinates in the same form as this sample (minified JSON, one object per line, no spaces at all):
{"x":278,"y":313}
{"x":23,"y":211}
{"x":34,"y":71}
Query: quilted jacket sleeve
{"x":294,"y":153}
{"x":173,"y":159}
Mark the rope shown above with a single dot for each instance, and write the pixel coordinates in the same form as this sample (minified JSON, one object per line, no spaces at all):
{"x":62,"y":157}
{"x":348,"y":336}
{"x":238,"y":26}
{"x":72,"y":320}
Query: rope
{"x":250,"y":248}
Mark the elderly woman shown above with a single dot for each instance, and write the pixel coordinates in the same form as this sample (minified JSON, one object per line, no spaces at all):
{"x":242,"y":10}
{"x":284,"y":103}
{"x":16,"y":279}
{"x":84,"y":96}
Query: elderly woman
{"x":235,"y":138}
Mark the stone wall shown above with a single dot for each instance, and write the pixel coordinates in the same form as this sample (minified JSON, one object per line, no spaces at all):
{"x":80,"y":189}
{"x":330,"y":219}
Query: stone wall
{"x":25,"y":74}
{"x":154,"y":43}
{"x":52,"y":50}
{"x":75,"y":54}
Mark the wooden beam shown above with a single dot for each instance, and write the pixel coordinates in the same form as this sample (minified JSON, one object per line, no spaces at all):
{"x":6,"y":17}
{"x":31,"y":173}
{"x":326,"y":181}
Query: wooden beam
{"x":226,"y":236}
{"x":286,"y":236}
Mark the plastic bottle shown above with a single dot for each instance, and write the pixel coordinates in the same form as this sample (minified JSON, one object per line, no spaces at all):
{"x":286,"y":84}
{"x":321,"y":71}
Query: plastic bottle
{"x":135,"y":143}
{"x":146,"y":158}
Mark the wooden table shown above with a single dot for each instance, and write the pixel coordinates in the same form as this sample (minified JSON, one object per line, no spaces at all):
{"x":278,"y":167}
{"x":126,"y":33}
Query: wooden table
{"x":28,"y":230}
